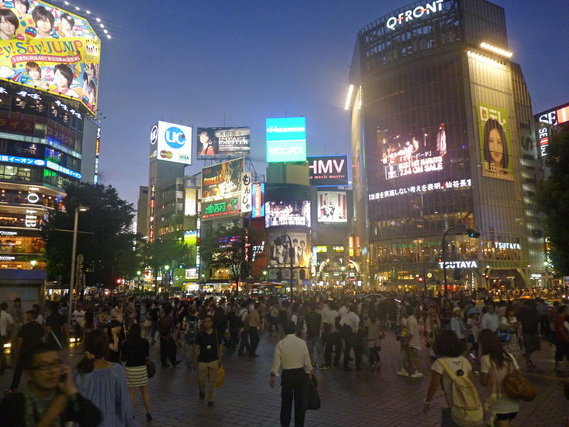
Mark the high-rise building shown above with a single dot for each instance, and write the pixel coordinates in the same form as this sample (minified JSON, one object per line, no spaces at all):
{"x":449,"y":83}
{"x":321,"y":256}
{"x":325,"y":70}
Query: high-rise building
{"x":440,"y":116}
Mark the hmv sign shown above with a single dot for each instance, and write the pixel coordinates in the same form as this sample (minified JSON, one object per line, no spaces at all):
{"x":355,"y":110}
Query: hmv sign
{"x":328,"y":170}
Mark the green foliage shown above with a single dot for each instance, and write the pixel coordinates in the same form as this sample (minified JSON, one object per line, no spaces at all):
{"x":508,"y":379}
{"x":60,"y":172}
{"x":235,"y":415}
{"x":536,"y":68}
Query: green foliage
{"x":553,"y":200}
{"x":160,"y":253}
{"x":104,"y":237}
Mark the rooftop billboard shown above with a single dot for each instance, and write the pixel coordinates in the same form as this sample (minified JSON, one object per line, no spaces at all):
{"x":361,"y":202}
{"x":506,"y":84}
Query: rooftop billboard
{"x":222,"y":141}
{"x":286,"y":139}
{"x":171,"y":142}
{"x":328,"y":170}
{"x":222,"y":180}
{"x":49,"y":49}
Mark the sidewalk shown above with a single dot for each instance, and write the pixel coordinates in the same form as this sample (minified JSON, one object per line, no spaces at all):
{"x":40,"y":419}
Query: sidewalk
{"x":348,"y":398}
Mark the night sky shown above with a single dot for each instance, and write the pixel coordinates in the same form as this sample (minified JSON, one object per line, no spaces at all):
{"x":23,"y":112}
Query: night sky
{"x":235,"y":63}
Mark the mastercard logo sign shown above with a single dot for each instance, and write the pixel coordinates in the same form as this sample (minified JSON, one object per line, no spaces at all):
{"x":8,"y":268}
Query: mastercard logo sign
{"x":166,"y":154}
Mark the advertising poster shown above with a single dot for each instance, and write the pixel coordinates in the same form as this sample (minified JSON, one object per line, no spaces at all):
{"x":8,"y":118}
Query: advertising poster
{"x":286,"y":139}
{"x":49,"y":49}
{"x":494,"y":127}
{"x":171,"y":142}
{"x":222,"y":180}
{"x":328,"y":170}
{"x":279,"y":245}
{"x":282,"y":213}
{"x":190,"y":198}
{"x":223,"y":141}
{"x":332,"y":206}
{"x":412,"y":153}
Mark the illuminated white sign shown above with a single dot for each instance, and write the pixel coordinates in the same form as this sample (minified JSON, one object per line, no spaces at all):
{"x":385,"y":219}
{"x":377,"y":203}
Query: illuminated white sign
{"x":458,"y":264}
{"x":416,"y":13}
{"x":503,"y":245}
{"x":425,"y":188}
{"x":246,"y":193}
{"x":414,"y":166}
{"x":8,"y":233}
{"x":174,"y":143}
{"x":33,"y":198}
{"x":7,"y":258}
{"x":31,"y":218}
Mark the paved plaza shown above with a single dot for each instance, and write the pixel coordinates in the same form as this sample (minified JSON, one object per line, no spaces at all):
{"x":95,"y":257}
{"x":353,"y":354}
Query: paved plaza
{"x":348,"y":398}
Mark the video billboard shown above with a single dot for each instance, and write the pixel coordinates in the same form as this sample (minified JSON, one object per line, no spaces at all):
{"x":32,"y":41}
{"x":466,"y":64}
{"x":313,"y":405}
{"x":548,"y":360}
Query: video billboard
{"x":328,"y":170}
{"x":223,"y":141}
{"x":47,"y":48}
{"x":494,"y":127}
{"x":279,"y":245}
{"x":332,"y":206}
{"x":286,"y":139}
{"x":171,"y":142}
{"x":280,"y":213}
{"x":222,"y":180}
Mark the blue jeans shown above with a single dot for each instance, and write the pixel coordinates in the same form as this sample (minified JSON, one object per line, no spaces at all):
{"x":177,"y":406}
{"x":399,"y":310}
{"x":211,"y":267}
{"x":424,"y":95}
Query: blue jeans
{"x":312,"y":342}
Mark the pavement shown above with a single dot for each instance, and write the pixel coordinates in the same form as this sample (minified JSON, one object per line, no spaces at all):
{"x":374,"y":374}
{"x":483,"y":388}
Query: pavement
{"x":361,"y":398}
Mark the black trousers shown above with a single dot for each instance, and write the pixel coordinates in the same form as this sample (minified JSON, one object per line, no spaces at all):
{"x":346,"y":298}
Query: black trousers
{"x":253,"y":340}
{"x":244,"y":342}
{"x":334,"y":340}
{"x":167,"y":349}
{"x":292,"y":383}
{"x":352,"y":341}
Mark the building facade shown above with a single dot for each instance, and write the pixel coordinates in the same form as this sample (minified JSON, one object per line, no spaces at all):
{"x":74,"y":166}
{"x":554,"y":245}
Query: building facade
{"x":439,"y":118}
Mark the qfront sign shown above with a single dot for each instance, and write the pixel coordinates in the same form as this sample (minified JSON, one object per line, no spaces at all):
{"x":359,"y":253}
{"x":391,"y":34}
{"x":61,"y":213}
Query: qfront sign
{"x":286,"y":139}
{"x":458,"y":264}
{"x":416,"y":13}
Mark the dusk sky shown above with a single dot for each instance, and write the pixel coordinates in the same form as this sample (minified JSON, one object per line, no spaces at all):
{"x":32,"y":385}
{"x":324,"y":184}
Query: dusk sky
{"x":236,"y":63}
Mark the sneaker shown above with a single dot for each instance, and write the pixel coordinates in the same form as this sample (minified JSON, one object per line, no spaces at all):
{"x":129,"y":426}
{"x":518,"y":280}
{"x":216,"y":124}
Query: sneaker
{"x":324,"y":367}
{"x":148,"y":416}
{"x":403,"y":373}
{"x":417,"y":375}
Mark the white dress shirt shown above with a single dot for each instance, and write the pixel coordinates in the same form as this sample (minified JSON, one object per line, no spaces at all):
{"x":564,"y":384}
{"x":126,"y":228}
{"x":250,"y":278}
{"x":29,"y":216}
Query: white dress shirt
{"x":5,"y":321}
{"x":352,"y":320}
{"x":291,"y":353}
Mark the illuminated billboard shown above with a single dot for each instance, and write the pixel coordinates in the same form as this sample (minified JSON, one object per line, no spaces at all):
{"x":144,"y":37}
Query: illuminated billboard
{"x":258,"y":200}
{"x":190,"y":198}
{"x":223,"y":141}
{"x":286,"y":139}
{"x":279,"y":246}
{"x":47,"y":48}
{"x":554,"y":116}
{"x":280,"y":213}
{"x":494,"y":128}
{"x":328,"y":170}
{"x":222,"y":180}
{"x":332,"y":206}
{"x":221,"y":208}
{"x":412,"y":153}
{"x":171,"y":142}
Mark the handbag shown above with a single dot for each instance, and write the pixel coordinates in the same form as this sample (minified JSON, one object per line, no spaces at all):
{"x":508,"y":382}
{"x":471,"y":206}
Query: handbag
{"x":150,"y":368}
{"x":310,"y":396}
{"x":220,"y":377}
{"x":503,"y":336}
{"x":518,"y":387}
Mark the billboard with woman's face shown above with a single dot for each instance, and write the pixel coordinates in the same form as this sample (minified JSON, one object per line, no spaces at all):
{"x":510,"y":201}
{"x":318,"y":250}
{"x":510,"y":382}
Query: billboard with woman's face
{"x":48,"y":49}
{"x":223,"y":141}
{"x":494,"y":127}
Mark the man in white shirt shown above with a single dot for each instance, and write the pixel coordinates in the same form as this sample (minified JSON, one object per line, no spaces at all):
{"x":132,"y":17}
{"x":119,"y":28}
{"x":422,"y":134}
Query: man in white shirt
{"x":411,"y":360}
{"x":291,"y":354}
{"x":490,"y":320}
{"x":333,"y":340}
{"x":6,"y":321}
{"x":345,"y":308}
{"x":352,"y":320}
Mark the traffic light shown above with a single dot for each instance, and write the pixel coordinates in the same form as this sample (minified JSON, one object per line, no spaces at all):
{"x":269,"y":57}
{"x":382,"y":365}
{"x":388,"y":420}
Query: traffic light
{"x":420,"y":280}
{"x":472,"y":233}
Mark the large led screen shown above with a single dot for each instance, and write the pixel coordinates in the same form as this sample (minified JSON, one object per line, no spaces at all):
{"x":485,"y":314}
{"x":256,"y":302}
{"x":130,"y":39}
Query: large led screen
{"x":222,"y":180}
{"x":222,"y":141}
{"x":279,"y":213}
{"x":332,"y":206}
{"x":47,"y":48}
{"x":286,"y":139}
{"x":412,"y":153}
{"x":494,"y":126}
{"x":279,"y":247}
{"x":171,"y":142}
{"x":328,"y":170}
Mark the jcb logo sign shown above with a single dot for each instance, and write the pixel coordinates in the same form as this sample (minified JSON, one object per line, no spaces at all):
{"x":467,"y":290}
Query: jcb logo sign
{"x":174,"y":137}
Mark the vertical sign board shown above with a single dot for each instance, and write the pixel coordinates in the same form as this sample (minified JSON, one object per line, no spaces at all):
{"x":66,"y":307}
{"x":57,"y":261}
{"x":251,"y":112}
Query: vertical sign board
{"x":246,"y":197}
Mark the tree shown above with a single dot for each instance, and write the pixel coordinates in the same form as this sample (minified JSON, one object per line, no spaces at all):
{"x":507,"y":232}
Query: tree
{"x":553,"y":200}
{"x":104,"y":237}
{"x":160,"y":253}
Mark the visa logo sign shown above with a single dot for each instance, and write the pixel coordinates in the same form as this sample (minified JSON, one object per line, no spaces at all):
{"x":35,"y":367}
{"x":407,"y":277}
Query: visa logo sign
{"x":174,"y":137}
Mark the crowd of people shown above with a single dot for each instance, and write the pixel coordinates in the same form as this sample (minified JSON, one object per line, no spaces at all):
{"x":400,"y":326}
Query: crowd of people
{"x":317,"y":330}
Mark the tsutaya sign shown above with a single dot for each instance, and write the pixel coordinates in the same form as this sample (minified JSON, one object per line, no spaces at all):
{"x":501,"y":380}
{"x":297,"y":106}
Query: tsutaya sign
{"x":416,"y":13}
{"x":458,"y":264}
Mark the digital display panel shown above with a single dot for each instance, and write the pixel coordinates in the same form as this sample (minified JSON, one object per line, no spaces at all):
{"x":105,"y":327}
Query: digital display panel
{"x":286,"y":139}
{"x":47,"y":48}
{"x":494,"y":127}
{"x":172,"y":142}
{"x":221,"y":208}
{"x":332,"y":206}
{"x":413,"y":153}
{"x":328,"y":170}
{"x":223,"y":141}
{"x":222,"y":180}
{"x":258,"y":200}
{"x":280,"y":213}
{"x":279,"y":245}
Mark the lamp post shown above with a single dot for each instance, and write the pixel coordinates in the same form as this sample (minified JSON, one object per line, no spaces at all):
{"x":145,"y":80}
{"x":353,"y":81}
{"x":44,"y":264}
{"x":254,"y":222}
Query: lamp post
{"x":444,"y":247}
{"x":73,"y":256}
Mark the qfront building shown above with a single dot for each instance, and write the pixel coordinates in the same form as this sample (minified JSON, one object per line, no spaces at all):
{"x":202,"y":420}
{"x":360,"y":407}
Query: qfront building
{"x":443,"y":148}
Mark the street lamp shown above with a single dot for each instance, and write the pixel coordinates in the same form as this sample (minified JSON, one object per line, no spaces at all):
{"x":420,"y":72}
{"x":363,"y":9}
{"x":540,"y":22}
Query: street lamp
{"x":73,"y":256}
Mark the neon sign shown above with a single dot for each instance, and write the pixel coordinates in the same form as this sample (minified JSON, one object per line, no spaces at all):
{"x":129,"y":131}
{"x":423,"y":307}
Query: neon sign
{"x":416,"y":13}
{"x":425,"y":188}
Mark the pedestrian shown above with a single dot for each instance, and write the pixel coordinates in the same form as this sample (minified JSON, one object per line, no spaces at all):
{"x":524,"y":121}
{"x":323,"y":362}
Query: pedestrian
{"x":254,"y":326}
{"x":116,"y":338}
{"x":449,"y":350}
{"x":490,"y":319}
{"x":6,"y":322}
{"x":243,"y":315}
{"x":291,"y":354}
{"x":350,"y":323}
{"x":104,"y":383}
{"x":375,"y":334}
{"x":135,"y":352}
{"x":458,"y":327}
{"x":18,"y":316}
{"x":509,"y":324}
{"x":56,"y":328}
{"x":495,"y":364}
{"x":561,"y":336}
{"x":192,"y":326}
{"x":334,"y":340}
{"x":49,"y":397}
{"x":208,"y":359}
{"x":313,"y":322}
{"x":432,"y":328}
{"x":528,"y":318}
{"x":167,"y":343}
{"x":412,"y":346}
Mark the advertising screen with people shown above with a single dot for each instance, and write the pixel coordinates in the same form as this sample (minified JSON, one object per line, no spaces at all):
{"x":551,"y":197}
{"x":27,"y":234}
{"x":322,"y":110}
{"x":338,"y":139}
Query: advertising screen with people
{"x":222,"y":141}
{"x":332,"y":206}
{"x":494,"y":126}
{"x":222,"y":180}
{"x":47,"y":48}
{"x":280,"y":249}
{"x":283,"y":213}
